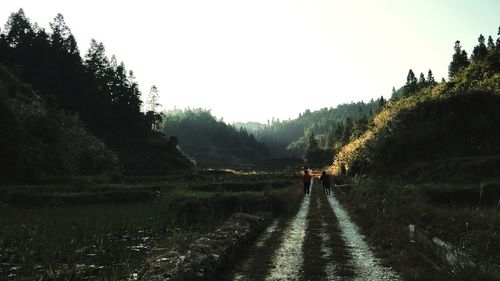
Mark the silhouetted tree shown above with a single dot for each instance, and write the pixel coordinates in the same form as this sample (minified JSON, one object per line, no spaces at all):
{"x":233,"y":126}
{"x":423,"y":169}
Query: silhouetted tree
{"x":19,"y":31}
{"x":430,"y":79}
{"x":422,"y":83}
{"x":381,"y":102}
{"x":480,"y":51}
{"x":97,"y":63}
{"x":411,"y":85}
{"x":498,"y":39}
{"x":491,"y":45}
{"x":459,"y":60}
{"x":153,"y":104}
{"x":61,"y":37}
{"x":153,"y":100}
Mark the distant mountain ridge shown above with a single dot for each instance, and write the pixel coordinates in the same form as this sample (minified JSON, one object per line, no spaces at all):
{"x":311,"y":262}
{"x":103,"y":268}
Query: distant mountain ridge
{"x":250,"y":126}
{"x":211,"y":142}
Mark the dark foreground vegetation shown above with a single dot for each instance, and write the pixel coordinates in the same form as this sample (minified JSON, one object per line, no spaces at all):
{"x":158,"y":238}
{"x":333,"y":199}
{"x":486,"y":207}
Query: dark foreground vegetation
{"x":61,"y":114}
{"x":90,"y":231}
{"x":430,"y":158}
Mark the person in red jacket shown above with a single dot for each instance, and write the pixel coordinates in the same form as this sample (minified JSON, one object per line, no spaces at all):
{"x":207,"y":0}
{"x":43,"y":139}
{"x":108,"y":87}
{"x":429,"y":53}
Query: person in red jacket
{"x":306,"y":179}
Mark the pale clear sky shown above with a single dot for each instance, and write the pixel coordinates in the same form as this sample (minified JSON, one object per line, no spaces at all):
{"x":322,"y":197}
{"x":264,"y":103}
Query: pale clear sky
{"x":253,"y":60}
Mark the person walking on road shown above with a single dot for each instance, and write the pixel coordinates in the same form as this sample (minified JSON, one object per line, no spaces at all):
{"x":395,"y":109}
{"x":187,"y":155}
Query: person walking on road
{"x":306,"y":179}
{"x":325,"y":182}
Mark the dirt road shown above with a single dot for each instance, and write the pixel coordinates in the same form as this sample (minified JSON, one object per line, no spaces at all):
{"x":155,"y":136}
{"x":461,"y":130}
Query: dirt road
{"x":319,"y":243}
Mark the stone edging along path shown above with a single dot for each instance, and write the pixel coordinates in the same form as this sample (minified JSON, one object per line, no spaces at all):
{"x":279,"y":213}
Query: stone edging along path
{"x":206,"y":256}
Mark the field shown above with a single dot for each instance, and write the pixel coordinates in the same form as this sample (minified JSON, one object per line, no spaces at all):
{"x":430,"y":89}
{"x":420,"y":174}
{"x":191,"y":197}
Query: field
{"x":91,"y":229}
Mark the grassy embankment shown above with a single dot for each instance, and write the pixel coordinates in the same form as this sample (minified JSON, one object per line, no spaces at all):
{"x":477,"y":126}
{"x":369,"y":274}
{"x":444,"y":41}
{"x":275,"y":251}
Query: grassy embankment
{"x":105,"y":231}
{"x":431,"y":159}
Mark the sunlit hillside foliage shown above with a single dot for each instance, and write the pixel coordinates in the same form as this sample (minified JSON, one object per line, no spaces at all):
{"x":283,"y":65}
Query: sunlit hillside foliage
{"x":432,"y":125}
{"x":332,"y":128}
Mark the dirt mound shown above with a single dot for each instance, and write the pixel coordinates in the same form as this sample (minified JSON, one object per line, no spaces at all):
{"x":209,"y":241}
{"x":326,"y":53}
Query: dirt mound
{"x":207,"y":255}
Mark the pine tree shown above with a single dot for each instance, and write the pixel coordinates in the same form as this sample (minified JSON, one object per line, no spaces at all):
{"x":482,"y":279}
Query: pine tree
{"x":153,"y":99}
{"x":459,"y":60}
{"x":411,"y":85}
{"x":498,"y":38}
{"x":61,"y":37}
{"x":19,"y":31}
{"x":430,"y":79}
{"x":480,"y":51}
{"x":491,"y":45}
{"x":422,"y":83}
{"x":381,"y":103}
{"x":97,"y":63}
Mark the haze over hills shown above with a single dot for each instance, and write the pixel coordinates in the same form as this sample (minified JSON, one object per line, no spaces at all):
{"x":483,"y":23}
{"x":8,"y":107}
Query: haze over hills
{"x":104,"y":94}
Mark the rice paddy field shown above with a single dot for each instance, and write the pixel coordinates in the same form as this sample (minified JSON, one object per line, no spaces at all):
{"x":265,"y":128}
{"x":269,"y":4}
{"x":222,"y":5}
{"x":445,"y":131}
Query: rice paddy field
{"x":88,"y":229}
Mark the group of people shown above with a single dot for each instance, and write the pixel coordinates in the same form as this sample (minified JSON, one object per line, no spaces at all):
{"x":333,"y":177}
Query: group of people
{"x":324,"y":179}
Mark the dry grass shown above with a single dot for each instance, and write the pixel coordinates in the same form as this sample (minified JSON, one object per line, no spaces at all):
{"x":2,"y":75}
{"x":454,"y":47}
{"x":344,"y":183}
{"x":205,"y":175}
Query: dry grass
{"x":384,"y":210}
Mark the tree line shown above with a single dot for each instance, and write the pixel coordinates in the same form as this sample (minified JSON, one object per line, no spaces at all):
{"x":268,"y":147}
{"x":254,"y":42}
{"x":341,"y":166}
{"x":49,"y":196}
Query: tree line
{"x":330,"y":127}
{"x":426,"y":120}
{"x":99,"y":90}
{"x":203,"y":136}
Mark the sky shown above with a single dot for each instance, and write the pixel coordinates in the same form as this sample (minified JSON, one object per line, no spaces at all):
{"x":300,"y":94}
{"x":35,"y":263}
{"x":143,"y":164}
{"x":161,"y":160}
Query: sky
{"x":255,"y":60}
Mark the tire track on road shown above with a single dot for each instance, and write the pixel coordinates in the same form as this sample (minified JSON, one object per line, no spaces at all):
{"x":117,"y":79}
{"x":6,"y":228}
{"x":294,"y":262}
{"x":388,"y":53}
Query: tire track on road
{"x":366,"y":265}
{"x":325,"y":253}
{"x":288,"y":259}
{"x":319,"y":243}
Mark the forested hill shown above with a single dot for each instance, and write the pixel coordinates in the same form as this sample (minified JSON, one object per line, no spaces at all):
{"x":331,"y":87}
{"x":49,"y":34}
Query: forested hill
{"x":211,"y":142}
{"x":97,"y":91}
{"x":37,"y":140}
{"x":436,"y":131}
{"x":331,"y":127}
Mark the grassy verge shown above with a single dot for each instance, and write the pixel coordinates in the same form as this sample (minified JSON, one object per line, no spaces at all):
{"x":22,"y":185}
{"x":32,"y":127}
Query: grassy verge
{"x":384,"y":210}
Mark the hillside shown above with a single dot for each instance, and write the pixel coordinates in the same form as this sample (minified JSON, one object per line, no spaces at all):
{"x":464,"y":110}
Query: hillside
{"x":251,"y":127}
{"x":94,"y":91}
{"x":429,"y":161}
{"x":37,"y":141}
{"x":332,"y":128}
{"x":430,"y":139}
{"x":211,"y":142}
{"x":429,"y":129}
